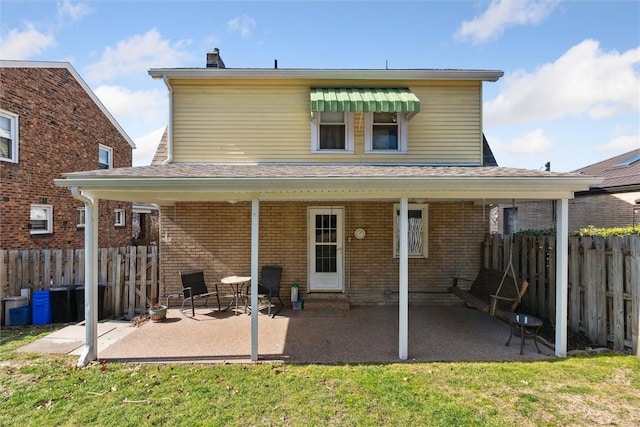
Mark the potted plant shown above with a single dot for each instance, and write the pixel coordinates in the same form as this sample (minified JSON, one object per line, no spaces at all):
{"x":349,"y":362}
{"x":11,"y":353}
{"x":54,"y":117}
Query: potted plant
{"x":157,"y":312}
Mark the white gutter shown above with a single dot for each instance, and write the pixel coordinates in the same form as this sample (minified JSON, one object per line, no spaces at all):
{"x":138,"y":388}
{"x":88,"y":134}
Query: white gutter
{"x":90,"y":352}
{"x":169,"y":158}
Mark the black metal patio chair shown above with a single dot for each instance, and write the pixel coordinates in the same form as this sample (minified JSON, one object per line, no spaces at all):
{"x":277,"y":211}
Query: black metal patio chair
{"x":269,"y":287}
{"x":194,"y":288}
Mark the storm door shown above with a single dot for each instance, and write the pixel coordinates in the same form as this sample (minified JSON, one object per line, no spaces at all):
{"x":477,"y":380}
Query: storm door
{"x":326,"y":256}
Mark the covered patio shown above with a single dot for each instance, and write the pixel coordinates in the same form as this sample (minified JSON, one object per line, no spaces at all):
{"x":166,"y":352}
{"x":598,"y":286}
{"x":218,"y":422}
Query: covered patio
{"x":393,"y":332}
{"x":438,"y":333}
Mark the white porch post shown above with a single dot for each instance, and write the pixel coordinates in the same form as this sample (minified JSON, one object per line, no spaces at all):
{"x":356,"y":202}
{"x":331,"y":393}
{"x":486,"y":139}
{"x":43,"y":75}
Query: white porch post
{"x":403,"y":288}
{"x":255,"y":226}
{"x":90,"y":352}
{"x":562,"y":276}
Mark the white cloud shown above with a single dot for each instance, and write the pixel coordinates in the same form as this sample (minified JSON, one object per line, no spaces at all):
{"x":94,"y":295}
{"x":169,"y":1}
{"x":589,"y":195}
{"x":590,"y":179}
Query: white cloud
{"x":140,"y":107}
{"x":585,"y":80}
{"x":532,"y":142}
{"x":502,"y":14}
{"x":242,"y":24}
{"x":135,"y":56}
{"x":621,"y":143}
{"x":23,"y":44}
{"x":146,"y":147}
{"x":77,"y":11}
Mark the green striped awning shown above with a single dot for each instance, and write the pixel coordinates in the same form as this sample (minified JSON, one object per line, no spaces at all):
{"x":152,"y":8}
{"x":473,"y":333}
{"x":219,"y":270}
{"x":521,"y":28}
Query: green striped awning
{"x":375,"y":100}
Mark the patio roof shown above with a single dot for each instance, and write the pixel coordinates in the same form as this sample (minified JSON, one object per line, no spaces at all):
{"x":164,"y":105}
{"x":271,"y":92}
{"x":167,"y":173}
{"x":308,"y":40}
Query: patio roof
{"x":203,"y":182}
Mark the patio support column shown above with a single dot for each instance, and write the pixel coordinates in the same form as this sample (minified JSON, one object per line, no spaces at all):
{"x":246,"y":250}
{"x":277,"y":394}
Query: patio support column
{"x":255,"y":234}
{"x":90,"y":352}
{"x":562,"y":276}
{"x":403,"y":287}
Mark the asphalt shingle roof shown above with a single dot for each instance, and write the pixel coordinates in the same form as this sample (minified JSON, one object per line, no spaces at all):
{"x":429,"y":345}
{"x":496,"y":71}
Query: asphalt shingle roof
{"x":615,"y":176}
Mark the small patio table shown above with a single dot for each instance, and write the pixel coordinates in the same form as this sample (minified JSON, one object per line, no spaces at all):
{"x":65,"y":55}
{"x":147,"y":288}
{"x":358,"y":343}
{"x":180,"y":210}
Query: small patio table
{"x":525,"y":324}
{"x":236,"y":283}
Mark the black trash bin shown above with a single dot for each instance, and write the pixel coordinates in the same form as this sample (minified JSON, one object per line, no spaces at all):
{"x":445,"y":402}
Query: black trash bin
{"x":80,"y":302}
{"x":63,"y":304}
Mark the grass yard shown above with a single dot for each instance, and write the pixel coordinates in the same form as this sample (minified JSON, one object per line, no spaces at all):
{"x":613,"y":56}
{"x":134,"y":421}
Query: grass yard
{"x":45,"y":390}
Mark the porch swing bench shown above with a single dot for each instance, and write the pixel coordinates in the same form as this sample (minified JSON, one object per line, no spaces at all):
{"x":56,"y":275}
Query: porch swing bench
{"x":492,"y":292}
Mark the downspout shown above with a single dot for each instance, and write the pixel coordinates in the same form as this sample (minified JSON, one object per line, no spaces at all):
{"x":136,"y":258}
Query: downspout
{"x":90,"y":352}
{"x":169,"y":158}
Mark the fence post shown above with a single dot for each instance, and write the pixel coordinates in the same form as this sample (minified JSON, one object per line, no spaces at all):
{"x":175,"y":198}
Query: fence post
{"x":601,"y":289}
{"x":551,"y":245}
{"x":3,"y":273}
{"x":634,"y":282}
{"x":590,"y":289}
{"x":575,"y":293}
{"x":616,"y":286}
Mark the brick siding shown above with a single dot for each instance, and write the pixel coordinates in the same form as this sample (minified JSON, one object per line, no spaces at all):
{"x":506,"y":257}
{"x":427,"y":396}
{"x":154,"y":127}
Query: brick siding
{"x":60,"y":130}
{"x":600,"y":210}
{"x":216,"y":237}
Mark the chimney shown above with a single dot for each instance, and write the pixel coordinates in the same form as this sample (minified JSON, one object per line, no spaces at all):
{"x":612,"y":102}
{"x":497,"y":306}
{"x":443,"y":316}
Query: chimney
{"x":214,"y":60}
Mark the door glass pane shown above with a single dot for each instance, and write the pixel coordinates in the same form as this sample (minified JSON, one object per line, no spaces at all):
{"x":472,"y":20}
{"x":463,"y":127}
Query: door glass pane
{"x":326,"y":229}
{"x":326,"y":239}
{"x":326,"y":258}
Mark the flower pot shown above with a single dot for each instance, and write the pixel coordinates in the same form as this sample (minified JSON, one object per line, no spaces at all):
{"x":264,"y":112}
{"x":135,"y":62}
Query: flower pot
{"x":158,"y":314}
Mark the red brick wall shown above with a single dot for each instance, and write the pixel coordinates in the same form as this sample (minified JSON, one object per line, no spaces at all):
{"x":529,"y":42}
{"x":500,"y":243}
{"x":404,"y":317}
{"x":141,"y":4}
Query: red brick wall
{"x":60,"y":130}
{"x":216,"y":237}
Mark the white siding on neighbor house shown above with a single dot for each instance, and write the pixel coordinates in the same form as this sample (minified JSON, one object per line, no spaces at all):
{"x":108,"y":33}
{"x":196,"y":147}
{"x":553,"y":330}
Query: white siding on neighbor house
{"x":271,"y":122}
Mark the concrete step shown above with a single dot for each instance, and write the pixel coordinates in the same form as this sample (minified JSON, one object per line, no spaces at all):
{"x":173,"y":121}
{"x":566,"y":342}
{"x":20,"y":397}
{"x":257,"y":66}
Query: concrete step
{"x":325,"y":301}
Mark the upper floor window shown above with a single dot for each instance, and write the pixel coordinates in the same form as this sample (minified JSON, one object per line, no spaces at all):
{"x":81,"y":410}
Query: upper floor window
{"x":8,"y":137}
{"x":41,"y":221}
{"x":105,"y":157}
{"x":332,"y":131}
{"x":385,"y":132}
{"x":418,"y":230}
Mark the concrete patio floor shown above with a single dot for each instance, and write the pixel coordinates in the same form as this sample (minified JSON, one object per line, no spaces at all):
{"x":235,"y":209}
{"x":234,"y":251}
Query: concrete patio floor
{"x":360,"y":334}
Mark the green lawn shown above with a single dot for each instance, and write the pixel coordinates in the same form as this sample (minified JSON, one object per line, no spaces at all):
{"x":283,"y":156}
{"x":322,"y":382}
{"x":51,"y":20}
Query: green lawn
{"x":44,"y":390}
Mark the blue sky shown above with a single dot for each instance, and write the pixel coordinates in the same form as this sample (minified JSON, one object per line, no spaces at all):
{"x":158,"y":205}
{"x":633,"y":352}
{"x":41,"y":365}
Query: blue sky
{"x":570,"y":94}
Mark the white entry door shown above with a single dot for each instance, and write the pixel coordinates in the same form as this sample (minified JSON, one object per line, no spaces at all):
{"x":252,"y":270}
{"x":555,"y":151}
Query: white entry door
{"x":326,"y":255}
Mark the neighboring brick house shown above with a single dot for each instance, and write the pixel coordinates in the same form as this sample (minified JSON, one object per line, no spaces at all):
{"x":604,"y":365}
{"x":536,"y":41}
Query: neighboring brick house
{"x":613,"y":203}
{"x":52,"y":123}
{"x":367,"y":185}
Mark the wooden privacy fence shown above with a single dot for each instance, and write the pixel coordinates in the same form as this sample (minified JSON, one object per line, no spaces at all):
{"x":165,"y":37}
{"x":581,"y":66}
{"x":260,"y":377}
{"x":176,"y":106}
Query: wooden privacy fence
{"x":130,"y":275}
{"x":604,"y":282}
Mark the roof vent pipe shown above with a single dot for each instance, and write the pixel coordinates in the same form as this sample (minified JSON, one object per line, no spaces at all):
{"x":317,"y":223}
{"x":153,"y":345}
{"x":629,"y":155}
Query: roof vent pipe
{"x":275,"y":64}
{"x":214,"y":60}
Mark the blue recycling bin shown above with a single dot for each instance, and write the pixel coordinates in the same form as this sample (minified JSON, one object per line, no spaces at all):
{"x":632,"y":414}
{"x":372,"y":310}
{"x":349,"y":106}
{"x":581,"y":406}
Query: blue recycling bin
{"x":20,"y":316}
{"x":41,"y":308}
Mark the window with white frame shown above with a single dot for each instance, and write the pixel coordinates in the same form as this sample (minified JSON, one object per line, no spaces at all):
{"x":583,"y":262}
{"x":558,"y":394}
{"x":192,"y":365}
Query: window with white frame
{"x":41,"y":220}
{"x":105,"y":157}
{"x":418,"y":230}
{"x":385,"y":133}
{"x":120,"y":218}
{"x":81,"y":217}
{"x":8,"y":137}
{"x":332,"y":132}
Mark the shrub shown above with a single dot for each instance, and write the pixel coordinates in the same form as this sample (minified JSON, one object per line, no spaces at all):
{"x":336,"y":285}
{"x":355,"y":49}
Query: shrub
{"x":608,"y":232}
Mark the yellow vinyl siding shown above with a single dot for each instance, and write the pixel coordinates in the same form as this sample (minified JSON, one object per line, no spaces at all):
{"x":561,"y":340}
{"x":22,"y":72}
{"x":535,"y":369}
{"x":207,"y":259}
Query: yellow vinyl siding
{"x":266,"y":121}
